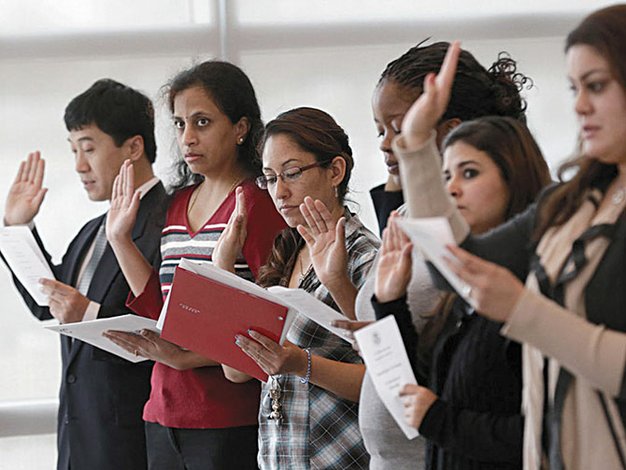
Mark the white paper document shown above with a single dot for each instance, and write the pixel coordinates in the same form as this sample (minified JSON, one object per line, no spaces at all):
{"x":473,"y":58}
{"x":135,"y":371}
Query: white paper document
{"x":19,"y":248}
{"x":91,"y":332}
{"x":431,"y":235}
{"x":388,"y":366}
{"x":312,"y":308}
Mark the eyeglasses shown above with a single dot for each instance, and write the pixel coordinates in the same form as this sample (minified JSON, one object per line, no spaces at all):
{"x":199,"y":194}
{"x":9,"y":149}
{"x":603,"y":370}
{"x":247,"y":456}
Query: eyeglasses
{"x":288,"y":176}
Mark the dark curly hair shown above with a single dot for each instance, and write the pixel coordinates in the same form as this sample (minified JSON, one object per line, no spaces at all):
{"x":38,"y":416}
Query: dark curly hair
{"x":476,"y":91}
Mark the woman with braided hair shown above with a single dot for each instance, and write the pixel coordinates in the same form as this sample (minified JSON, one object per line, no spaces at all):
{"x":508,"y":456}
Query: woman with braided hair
{"x":476,"y":92}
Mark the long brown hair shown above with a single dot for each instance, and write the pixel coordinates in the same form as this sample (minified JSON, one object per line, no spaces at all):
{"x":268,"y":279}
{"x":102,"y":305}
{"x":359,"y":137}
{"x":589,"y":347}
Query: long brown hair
{"x":511,"y":146}
{"x":605,"y":31}
{"x":316,"y":132}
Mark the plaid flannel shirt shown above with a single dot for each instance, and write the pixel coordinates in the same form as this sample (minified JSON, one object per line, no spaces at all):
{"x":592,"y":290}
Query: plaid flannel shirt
{"x":319,"y":430}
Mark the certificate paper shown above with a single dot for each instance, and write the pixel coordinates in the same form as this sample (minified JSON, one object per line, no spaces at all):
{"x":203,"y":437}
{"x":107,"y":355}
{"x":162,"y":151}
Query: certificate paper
{"x":431,"y":235}
{"x":91,"y":332}
{"x":312,"y":308}
{"x":28,"y":263}
{"x":388,"y":365}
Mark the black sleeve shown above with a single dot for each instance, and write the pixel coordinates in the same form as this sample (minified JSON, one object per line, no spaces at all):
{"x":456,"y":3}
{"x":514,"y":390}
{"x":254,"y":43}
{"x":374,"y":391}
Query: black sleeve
{"x":509,"y":245}
{"x":384,"y":203}
{"x":486,"y":437}
{"x":400,"y":309}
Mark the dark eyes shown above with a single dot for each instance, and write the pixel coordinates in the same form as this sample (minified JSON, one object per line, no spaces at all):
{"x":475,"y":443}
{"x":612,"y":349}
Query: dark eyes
{"x":593,"y":87}
{"x":199,"y":122}
{"x":469,"y":173}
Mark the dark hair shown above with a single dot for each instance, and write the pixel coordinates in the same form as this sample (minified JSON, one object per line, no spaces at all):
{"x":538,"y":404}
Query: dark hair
{"x":318,"y":133}
{"x":118,"y":110}
{"x":232,"y":92}
{"x":476,"y":91}
{"x":511,"y":146}
{"x":605,"y":31}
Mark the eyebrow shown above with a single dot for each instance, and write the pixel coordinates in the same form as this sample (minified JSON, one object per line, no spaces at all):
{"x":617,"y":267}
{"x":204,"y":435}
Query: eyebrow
{"x":81,"y":139}
{"x":197,"y":113}
{"x":467,"y":162}
{"x":291,"y":160}
{"x":591,"y":72}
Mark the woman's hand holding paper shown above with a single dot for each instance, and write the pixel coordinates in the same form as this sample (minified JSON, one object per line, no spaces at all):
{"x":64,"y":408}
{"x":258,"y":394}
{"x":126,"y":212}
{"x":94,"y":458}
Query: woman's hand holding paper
{"x":272,"y":357}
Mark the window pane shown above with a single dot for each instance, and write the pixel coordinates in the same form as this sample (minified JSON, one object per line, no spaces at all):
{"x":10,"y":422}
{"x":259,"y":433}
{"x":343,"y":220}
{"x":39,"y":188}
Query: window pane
{"x":45,"y":16}
{"x":28,"y":452}
{"x":354,"y":11}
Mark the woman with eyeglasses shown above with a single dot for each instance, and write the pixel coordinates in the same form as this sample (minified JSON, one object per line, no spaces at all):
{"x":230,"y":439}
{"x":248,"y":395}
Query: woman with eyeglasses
{"x":195,"y":417}
{"x":309,"y":412}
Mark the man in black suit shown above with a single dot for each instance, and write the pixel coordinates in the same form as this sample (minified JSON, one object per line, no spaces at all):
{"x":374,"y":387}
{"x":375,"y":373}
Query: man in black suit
{"x":102,"y":396}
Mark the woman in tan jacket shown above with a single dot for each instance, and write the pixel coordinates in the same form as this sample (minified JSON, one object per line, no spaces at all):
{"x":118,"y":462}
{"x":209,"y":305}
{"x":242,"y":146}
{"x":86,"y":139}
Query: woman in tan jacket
{"x":570,"y":312}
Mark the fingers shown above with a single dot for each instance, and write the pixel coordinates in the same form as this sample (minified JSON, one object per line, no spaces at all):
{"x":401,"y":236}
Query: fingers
{"x":240,"y":202}
{"x":271,"y":346}
{"x":129,"y":183}
{"x":40,"y":168}
{"x":448,"y":68}
{"x":349,"y":325}
{"x":130,"y":342}
{"x":33,"y":162}
{"x":409,"y":389}
{"x":49,"y":286}
{"x":340,"y":232}
{"x":304,"y":232}
{"x":313,"y":217}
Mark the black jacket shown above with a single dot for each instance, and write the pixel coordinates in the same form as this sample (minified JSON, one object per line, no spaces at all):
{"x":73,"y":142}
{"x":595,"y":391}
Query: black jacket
{"x":100,"y":424}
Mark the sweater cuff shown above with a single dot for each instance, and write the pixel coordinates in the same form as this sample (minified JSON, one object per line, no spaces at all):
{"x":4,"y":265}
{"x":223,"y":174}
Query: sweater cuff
{"x":434,"y":419}
{"x":149,"y":303}
{"x":382,"y":310}
{"x":422,"y":184}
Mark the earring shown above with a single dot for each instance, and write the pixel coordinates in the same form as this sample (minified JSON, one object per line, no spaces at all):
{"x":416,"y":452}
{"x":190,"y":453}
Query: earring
{"x":337,"y":192}
{"x":240,"y":141}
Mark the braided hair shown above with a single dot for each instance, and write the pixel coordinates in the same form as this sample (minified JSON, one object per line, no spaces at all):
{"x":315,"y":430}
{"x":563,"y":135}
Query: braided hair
{"x":476,"y":91}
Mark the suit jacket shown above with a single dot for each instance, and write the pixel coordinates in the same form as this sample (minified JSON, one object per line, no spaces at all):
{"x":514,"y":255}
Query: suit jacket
{"x":102,"y":396}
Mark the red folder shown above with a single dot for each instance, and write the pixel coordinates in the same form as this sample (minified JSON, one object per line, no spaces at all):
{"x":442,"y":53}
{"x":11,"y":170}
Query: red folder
{"x":204,"y":316}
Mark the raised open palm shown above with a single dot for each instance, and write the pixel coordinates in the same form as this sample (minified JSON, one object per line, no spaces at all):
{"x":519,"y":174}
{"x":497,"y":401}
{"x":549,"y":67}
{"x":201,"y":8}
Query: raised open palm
{"x":326,"y":241}
{"x":424,"y":114}
{"x":124,"y":205}
{"x":393,"y":271}
{"x":27,"y":192}
{"x":230,"y":243}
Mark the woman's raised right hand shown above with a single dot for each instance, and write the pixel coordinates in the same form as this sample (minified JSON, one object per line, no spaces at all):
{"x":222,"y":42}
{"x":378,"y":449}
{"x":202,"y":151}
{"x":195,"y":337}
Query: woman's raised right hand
{"x":26,"y":193}
{"x":393,"y":270}
{"x":426,"y":112}
{"x":231,"y":241}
